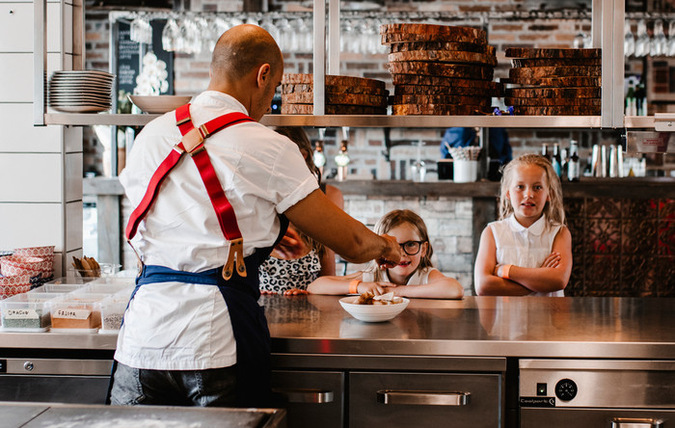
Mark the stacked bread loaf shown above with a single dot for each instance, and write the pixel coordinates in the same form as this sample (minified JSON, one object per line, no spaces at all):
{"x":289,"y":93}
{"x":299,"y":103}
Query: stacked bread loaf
{"x":440,"y":69}
{"x":554,"y":81}
{"x":343,"y":95}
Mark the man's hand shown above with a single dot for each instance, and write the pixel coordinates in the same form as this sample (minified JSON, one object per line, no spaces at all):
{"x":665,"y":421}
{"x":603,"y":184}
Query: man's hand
{"x":391,"y":255}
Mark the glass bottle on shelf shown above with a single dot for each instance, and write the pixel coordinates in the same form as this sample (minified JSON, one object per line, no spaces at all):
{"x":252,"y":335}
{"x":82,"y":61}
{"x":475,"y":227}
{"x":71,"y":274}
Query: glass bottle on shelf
{"x":418,"y":169}
{"x":641,"y":100}
{"x":631,"y":103}
{"x":342,"y":158}
{"x":556,"y":160}
{"x":573,"y":169}
{"x":544,"y":151}
{"x":319,"y":157}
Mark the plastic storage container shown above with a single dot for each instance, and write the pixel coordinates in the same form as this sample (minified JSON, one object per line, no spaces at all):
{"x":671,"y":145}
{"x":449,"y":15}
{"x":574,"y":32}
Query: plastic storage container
{"x":101,"y":288}
{"x":112,"y":310}
{"x":27,"y":312}
{"x":56,"y":288}
{"x":76,"y":313}
{"x":71,"y":280}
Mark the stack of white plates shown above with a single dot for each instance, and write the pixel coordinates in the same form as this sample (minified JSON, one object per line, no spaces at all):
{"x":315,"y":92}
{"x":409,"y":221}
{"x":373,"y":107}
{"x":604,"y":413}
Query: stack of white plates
{"x":81,"y":91}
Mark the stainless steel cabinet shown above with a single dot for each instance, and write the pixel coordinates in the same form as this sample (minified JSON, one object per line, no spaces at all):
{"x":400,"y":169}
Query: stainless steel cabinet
{"x":601,"y":418}
{"x":54,"y":380}
{"x":311,"y":398}
{"x":424,"y":400}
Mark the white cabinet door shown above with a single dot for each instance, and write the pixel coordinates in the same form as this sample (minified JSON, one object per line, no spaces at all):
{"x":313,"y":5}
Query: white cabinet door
{"x":17,"y":27}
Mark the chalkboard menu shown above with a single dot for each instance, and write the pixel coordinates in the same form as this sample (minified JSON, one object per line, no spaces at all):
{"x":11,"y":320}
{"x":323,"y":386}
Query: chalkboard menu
{"x":129,"y":60}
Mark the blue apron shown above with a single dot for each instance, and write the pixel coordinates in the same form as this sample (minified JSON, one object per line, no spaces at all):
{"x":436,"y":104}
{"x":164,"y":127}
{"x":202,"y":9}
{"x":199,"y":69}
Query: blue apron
{"x":248,"y":320}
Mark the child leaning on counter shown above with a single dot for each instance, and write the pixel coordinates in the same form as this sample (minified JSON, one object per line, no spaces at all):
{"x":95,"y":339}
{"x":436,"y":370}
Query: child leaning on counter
{"x":414,"y":276}
{"x":529,"y":250}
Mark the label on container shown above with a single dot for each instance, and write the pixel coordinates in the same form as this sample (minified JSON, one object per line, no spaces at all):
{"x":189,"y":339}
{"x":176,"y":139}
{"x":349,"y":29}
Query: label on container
{"x":20,"y":314}
{"x":72,"y":314}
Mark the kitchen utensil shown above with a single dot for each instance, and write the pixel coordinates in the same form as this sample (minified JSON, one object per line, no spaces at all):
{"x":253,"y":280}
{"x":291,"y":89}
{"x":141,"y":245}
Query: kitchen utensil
{"x":372,"y":313}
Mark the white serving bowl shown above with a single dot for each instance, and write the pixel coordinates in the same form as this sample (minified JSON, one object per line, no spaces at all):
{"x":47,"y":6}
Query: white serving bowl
{"x":159,"y":103}
{"x":372,"y":313}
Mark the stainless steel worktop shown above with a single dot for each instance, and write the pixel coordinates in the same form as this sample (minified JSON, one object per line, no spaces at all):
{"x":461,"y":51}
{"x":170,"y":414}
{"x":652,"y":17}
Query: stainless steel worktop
{"x":36,"y":415}
{"x":581,"y":327}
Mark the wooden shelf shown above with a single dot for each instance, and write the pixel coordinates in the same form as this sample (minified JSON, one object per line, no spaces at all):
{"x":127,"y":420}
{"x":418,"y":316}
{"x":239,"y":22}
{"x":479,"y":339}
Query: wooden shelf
{"x":355,"y":121}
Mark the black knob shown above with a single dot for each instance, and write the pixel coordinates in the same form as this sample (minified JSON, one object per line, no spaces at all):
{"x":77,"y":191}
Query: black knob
{"x":566,"y":389}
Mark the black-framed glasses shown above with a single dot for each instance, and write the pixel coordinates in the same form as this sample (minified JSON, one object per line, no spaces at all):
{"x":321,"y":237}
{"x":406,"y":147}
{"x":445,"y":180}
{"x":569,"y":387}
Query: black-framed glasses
{"x":411,"y":248}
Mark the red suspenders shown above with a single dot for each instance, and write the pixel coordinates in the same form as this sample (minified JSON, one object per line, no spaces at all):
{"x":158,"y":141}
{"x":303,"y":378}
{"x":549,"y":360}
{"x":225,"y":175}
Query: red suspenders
{"x":193,"y":144}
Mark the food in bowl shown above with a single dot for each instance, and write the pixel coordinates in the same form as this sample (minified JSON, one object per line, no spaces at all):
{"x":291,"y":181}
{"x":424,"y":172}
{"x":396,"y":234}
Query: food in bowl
{"x":369,"y":298}
{"x":376,"y":312}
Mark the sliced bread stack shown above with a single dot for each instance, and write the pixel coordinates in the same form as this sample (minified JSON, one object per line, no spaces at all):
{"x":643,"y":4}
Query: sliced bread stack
{"x":554,"y":81}
{"x":440,"y":69}
{"x":343,"y":95}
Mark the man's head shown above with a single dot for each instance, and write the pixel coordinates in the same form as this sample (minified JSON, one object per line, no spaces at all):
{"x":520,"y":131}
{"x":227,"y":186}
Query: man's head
{"x":248,"y":65}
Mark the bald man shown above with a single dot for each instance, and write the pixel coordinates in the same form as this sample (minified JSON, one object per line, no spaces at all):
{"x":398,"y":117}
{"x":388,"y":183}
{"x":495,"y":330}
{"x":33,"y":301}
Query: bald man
{"x":193,"y":333}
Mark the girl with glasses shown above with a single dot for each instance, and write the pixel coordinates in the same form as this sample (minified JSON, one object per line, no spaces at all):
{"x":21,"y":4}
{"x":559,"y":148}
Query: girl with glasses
{"x":414,"y":276}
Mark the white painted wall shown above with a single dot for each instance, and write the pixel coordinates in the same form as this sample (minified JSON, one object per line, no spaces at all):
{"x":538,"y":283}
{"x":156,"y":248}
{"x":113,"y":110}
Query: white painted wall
{"x":40,"y":167}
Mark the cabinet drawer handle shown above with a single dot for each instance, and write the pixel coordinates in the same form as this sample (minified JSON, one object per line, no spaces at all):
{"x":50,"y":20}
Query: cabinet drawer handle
{"x":636,"y":423}
{"x":315,"y":396}
{"x":429,"y":398}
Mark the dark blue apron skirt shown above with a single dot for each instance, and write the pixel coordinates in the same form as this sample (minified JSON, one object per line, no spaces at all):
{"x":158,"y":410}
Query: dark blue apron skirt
{"x":248,"y":320}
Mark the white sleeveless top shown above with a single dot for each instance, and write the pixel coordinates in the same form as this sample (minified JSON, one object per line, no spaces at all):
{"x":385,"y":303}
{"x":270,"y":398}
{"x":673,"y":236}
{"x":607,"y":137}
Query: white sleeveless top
{"x":420,"y":277}
{"x":524,"y":246}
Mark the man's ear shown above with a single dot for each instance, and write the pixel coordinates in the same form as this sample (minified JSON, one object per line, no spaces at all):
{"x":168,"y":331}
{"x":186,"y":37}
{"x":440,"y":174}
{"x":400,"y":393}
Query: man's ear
{"x":263,"y":74}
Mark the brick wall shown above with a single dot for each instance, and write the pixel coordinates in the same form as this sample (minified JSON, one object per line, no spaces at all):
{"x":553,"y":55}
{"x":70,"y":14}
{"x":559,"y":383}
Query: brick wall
{"x":448,"y":219}
{"x":366,"y":146}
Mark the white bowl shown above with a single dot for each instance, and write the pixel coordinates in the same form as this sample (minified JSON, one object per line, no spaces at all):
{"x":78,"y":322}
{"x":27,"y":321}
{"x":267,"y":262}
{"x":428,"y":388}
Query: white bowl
{"x":159,"y":103}
{"x":372,"y":313}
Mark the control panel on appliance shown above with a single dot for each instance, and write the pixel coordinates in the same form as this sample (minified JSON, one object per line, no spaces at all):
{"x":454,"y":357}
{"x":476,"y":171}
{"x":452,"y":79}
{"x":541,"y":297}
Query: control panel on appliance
{"x":566,"y":389}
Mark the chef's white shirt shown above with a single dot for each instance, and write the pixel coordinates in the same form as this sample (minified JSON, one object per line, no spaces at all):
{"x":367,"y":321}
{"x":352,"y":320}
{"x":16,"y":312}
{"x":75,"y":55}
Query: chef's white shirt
{"x":178,"y":326}
{"x":524,"y":246}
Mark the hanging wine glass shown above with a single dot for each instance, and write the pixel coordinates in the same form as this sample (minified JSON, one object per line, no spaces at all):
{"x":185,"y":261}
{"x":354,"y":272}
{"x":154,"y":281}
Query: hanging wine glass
{"x":658,"y":43}
{"x":346,"y":29}
{"x":642,"y":41}
{"x":671,"y":39}
{"x":285,"y":35}
{"x":269,"y":26}
{"x":169,"y":35}
{"x":628,"y":40}
{"x":221,"y":25}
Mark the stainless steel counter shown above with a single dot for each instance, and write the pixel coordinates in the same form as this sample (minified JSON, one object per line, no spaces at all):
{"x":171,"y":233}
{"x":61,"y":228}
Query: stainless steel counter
{"x":581,"y":327}
{"x":27,"y":415}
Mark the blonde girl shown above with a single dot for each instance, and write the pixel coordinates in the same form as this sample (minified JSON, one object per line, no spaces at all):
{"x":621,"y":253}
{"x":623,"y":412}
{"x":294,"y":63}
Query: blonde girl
{"x":414,"y":276}
{"x":529,"y":250}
